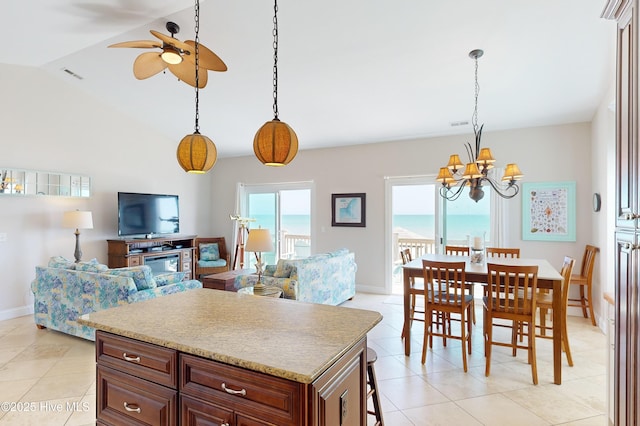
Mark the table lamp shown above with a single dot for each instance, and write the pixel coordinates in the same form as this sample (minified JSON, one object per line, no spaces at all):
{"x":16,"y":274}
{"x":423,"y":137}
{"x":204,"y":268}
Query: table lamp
{"x":78,"y":220}
{"x":258,"y":241}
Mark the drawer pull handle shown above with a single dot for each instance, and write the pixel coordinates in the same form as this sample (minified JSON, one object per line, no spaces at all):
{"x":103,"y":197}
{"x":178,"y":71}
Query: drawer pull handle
{"x":233,"y":392}
{"x":133,"y":408}
{"x":130,"y":358}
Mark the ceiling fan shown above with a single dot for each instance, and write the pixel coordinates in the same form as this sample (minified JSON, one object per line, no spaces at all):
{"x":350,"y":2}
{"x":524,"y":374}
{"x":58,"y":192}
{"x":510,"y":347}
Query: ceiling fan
{"x":176,"y":55}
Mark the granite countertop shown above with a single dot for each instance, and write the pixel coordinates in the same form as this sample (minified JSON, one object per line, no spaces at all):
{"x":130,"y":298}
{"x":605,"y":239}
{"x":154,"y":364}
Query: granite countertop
{"x":282,"y":338}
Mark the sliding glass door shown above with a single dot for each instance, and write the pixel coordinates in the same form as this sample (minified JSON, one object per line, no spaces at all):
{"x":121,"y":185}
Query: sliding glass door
{"x":285,"y":210}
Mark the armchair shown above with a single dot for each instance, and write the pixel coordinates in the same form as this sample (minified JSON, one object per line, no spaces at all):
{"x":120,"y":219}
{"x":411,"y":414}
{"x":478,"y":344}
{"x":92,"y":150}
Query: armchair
{"x":212,"y":256}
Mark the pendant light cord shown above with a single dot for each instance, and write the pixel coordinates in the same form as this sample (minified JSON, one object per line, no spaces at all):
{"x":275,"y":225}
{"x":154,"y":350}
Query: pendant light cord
{"x":275,"y":60}
{"x":197,"y":43}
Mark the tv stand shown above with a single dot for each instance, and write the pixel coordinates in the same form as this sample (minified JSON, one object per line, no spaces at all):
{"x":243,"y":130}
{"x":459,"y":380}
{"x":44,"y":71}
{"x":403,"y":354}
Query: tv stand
{"x":124,"y":252}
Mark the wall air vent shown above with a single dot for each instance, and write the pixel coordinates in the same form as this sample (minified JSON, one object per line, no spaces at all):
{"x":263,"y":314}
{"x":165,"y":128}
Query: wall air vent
{"x":71,"y":73}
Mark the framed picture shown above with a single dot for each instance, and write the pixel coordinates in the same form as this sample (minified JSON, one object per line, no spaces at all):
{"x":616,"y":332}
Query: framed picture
{"x":348,"y":209}
{"x":549,"y":211}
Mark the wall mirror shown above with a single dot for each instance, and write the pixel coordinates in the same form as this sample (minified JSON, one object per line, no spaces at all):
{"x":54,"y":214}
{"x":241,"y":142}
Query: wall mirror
{"x":32,"y":182}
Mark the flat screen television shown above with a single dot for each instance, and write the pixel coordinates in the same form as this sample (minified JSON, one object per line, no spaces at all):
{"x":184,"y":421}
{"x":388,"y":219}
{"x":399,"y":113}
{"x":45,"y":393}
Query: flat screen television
{"x":146,"y":215}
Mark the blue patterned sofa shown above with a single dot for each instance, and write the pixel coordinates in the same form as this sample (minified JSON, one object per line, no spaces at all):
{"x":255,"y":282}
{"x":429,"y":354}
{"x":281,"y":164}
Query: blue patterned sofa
{"x":327,"y":278}
{"x":64,"y":290}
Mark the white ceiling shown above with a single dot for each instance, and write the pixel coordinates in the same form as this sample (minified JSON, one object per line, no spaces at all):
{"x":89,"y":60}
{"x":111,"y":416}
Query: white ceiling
{"x":350,"y":71}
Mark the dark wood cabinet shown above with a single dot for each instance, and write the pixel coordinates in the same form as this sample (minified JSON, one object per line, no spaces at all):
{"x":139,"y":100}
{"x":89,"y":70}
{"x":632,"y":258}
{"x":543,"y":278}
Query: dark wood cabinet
{"x":137,"y":385}
{"x":175,"y":251}
{"x":626,"y":371}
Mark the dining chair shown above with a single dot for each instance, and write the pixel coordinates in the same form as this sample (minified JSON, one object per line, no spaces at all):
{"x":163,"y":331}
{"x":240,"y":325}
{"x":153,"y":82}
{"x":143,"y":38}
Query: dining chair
{"x":584,"y":279}
{"x":445,"y":293}
{"x":503,"y":252}
{"x":511,"y":297}
{"x":463,"y":251}
{"x":457,"y":250}
{"x":544,"y":302}
{"x":414,"y":290}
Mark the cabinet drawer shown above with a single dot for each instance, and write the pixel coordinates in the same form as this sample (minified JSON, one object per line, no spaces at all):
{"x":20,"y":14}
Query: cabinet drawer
{"x":126,"y":400}
{"x":186,"y":266}
{"x":194,"y":412}
{"x":139,"y":359}
{"x":248,"y":392}
{"x":134,"y":261}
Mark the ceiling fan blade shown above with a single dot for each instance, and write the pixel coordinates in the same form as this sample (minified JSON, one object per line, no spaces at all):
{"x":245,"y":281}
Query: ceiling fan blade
{"x":170,"y":40}
{"x":148,"y":64}
{"x":186,"y":72}
{"x":206,"y":58}
{"x":144,"y":44}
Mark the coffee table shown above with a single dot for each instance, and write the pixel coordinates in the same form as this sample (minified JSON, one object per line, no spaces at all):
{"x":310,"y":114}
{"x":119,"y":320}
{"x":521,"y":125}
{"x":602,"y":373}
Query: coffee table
{"x":224,"y":280}
{"x":268,"y":291}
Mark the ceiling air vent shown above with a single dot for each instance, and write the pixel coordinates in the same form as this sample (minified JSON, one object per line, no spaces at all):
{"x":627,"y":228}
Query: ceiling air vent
{"x":458,"y":123}
{"x":71,"y":73}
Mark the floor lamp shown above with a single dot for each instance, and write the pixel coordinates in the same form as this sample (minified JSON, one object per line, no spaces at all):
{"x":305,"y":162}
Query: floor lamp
{"x":78,"y":220}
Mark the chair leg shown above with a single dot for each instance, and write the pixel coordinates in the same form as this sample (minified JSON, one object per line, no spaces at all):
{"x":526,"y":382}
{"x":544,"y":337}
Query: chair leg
{"x":487,"y":345}
{"x":543,"y":321}
{"x":565,"y":343}
{"x":583,"y":302}
{"x":589,"y":301}
{"x":428,"y":323}
{"x":532,"y":354}
{"x":463,"y":337}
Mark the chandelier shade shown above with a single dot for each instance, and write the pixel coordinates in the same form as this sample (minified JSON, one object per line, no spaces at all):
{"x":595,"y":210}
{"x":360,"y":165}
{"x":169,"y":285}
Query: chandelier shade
{"x":481,"y":160}
{"x":197,"y":153}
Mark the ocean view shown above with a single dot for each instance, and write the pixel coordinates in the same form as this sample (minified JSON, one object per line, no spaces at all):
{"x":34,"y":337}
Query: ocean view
{"x":458,"y":226}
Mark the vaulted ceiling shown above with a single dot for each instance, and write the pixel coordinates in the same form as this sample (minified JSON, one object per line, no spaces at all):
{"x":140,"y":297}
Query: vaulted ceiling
{"x":350,"y":71}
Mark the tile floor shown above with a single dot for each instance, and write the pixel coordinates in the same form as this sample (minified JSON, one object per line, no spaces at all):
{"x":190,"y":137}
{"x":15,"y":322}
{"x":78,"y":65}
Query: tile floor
{"x":48,"y":378}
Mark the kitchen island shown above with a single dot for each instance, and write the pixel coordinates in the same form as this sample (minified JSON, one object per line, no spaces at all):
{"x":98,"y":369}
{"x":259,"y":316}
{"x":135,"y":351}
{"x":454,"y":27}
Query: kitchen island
{"x":221,"y":358}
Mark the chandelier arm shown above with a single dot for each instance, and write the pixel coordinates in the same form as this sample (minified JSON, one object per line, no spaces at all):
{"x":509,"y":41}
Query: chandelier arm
{"x":503,"y":191}
{"x":449,"y":194}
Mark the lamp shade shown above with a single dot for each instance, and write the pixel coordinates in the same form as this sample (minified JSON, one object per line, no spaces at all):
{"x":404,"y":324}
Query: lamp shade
{"x":512,"y":172}
{"x":77,"y":219}
{"x":197,"y":153}
{"x":445,"y":175}
{"x":259,"y":240}
{"x":454,"y":162}
{"x":485,"y":157}
{"x":275,"y":143}
{"x":471,"y":171}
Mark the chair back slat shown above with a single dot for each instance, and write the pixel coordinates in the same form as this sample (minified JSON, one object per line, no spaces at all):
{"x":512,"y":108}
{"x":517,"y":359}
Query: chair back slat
{"x":506,"y":252}
{"x":512,"y":288}
{"x":456,"y":250}
{"x":588,"y":261}
{"x":444,"y":281}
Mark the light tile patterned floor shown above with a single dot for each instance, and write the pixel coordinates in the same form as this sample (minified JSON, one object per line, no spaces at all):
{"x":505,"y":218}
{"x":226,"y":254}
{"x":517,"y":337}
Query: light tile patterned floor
{"x":49,"y":377}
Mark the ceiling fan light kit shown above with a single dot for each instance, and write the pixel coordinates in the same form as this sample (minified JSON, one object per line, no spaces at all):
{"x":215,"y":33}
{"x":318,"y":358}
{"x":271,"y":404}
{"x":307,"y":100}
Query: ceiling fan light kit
{"x":275,"y":143}
{"x":173,"y":54}
{"x":476,"y":171}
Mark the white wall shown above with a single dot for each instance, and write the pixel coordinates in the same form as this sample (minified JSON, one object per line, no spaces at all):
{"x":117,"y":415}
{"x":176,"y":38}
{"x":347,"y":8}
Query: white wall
{"x":556,"y":153}
{"x":46,"y":124}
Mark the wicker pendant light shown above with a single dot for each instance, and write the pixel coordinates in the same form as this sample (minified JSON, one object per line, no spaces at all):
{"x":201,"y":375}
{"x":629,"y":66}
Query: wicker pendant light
{"x":275,"y":143}
{"x":197,"y":153}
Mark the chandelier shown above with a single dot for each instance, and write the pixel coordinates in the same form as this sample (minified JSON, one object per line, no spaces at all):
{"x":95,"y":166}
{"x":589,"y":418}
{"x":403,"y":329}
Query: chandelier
{"x":476,"y":172}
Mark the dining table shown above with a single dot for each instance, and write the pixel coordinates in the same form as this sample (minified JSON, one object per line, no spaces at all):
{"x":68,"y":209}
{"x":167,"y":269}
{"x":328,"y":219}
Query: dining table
{"x":548,"y":278}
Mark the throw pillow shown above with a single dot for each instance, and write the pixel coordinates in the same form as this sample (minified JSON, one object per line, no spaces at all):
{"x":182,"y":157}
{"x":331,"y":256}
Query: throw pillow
{"x":169,"y":278}
{"x":61,"y":263}
{"x":91,"y":267}
{"x":269,"y":270}
{"x":283,"y":269}
{"x":142,"y":276}
{"x":209,"y":251}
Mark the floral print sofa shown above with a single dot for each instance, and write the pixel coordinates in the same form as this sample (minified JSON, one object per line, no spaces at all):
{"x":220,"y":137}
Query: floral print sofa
{"x":64,"y":290}
{"x":327,"y":278}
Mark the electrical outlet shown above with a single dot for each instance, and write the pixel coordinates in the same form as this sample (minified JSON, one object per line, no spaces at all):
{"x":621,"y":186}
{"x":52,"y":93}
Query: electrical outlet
{"x":3,"y":237}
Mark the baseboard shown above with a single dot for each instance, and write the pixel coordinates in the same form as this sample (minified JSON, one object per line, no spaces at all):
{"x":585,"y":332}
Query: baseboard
{"x":370,"y":289}
{"x":16,"y":312}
